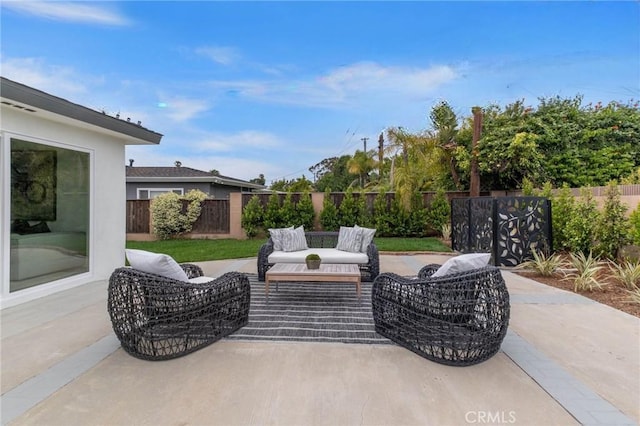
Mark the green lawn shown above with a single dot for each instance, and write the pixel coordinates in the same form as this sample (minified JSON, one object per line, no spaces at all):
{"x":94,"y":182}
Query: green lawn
{"x":202,"y":250}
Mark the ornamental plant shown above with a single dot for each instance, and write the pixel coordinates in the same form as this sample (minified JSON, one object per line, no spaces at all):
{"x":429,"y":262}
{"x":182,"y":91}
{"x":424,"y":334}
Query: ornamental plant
{"x":612,"y":231}
{"x":252,"y":215}
{"x":329,"y":214}
{"x":169,"y":220}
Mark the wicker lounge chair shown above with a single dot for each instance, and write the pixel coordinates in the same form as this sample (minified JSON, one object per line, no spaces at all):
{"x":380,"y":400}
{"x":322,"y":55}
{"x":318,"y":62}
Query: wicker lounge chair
{"x":458,"y":319}
{"x":159,"y":318}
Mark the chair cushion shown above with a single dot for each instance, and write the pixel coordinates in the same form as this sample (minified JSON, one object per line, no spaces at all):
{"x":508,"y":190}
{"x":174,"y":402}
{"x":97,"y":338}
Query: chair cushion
{"x":367,"y":237}
{"x":294,"y":240}
{"x":349,"y":239}
{"x":156,"y":263}
{"x":200,"y":280}
{"x":463,"y":263}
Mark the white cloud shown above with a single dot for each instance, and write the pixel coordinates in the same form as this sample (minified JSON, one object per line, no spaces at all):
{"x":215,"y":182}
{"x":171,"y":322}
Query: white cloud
{"x":59,"y":80}
{"x":221,"y":54}
{"x":68,"y":11}
{"x":238,"y":140}
{"x":183,"y":109}
{"x":351,"y":85}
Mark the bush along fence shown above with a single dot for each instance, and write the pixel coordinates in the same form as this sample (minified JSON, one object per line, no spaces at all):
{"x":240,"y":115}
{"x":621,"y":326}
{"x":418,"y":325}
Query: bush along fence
{"x":584,"y":223}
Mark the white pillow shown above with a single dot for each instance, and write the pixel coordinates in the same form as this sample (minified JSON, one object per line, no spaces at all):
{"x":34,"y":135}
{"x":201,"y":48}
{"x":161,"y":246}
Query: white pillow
{"x":367,"y":237}
{"x":463,"y":263}
{"x":276,"y":237}
{"x":349,"y":239}
{"x":156,"y":263}
{"x":294,"y":240}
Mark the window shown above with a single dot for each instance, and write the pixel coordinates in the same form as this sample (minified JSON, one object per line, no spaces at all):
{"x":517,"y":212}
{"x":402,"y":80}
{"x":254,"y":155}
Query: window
{"x":150,"y":193}
{"x":50,"y":205}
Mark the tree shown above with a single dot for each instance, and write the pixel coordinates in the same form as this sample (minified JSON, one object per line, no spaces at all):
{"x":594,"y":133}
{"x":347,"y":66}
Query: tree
{"x":252,"y":217}
{"x":361,"y":164}
{"x":332,"y":173}
{"x":259,"y":180}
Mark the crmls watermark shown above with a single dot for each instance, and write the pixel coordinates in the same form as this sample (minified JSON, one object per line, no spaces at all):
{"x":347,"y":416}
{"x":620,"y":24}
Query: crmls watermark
{"x":492,"y":417}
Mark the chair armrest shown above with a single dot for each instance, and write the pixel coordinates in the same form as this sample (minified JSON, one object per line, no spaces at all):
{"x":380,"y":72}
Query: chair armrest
{"x":192,"y":270}
{"x":428,"y":270}
{"x":263,"y":258}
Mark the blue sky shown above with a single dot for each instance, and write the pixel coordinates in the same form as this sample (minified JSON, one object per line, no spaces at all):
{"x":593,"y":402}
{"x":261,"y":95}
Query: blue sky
{"x":275,"y":87}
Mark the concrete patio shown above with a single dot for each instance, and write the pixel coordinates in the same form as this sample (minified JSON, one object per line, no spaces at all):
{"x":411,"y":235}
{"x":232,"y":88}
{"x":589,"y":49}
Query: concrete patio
{"x":566,"y":360}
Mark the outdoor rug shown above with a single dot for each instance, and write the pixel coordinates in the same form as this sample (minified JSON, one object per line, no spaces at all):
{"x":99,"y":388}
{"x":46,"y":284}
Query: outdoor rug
{"x":310,"y":312}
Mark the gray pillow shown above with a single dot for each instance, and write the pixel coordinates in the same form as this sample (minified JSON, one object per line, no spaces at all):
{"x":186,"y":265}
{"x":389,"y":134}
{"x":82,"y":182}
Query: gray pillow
{"x":367,"y":237}
{"x":294,"y":240}
{"x":463,"y":263}
{"x":349,"y":239}
{"x":276,"y":237}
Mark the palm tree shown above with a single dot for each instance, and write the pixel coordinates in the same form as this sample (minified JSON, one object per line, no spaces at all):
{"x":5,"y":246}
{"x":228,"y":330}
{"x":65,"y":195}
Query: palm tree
{"x":361,"y":164}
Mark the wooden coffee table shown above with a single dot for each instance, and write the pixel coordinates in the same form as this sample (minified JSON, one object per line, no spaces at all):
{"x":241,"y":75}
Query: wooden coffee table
{"x":328,"y":272}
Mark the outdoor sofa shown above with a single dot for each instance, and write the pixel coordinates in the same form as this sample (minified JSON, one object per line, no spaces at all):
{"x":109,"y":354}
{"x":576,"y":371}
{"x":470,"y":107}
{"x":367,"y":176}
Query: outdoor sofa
{"x":323,"y":243}
{"x":158,"y":318}
{"x":458,"y":319}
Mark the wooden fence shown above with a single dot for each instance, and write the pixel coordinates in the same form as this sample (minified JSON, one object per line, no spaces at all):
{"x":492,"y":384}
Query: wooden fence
{"x":214,"y":217}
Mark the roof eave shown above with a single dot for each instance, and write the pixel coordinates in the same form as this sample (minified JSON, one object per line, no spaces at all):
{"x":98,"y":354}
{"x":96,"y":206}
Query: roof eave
{"x":19,"y":95}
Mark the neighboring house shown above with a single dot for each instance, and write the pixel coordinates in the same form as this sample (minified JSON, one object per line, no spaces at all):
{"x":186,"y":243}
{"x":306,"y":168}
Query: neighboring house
{"x":148,"y":182}
{"x":62,"y":221}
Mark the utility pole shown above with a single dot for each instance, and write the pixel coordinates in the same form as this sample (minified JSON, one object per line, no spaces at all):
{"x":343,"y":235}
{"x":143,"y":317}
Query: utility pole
{"x":474,"y":184}
{"x":380,"y":154}
{"x":365,"y":143}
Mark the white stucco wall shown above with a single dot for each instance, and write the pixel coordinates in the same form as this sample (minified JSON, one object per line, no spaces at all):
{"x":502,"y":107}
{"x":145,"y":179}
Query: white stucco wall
{"x":108,"y":206}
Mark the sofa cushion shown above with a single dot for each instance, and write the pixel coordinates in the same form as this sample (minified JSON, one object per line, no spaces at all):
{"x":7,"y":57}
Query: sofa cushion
{"x":328,"y":255}
{"x":276,"y":236}
{"x":349,"y":239}
{"x":156,"y":263}
{"x":367,"y":237}
{"x":294,"y":240}
{"x":463,"y":263}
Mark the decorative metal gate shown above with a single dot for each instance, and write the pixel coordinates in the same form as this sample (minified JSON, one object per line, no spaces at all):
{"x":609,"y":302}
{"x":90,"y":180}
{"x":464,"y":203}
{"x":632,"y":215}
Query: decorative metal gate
{"x":510,"y":228}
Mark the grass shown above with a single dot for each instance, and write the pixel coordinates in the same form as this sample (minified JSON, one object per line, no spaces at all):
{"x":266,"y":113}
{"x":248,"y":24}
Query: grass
{"x":203,"y":250}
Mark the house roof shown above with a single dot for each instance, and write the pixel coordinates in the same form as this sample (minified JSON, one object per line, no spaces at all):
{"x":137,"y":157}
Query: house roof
{"x":28,"y":99}
{"x":183,"y":174}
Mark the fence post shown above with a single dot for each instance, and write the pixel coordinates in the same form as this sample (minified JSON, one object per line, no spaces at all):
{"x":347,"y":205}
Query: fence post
{"x":235,"y":216}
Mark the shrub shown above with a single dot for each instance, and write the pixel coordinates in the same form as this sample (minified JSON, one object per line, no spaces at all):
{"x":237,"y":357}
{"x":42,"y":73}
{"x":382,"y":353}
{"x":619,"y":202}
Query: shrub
{"x":329,"y":214}
{"x":252,"y":217}
{"x":272,"y":217}
{"x":587,"y":268}
{"x":542,"y":264}
{"x":305,"y":212}
{"x":381,"y":215}
{"x":634,"y":229}
{"x":628,"y":274}
{"x":288,"y":215}
{"x":439,"y":212}
{"x":581,"y":226}
{"x":612,"y":231}
{"x":166,"y":212}
{"x":562,"y":206}
{"x":348,"y":212}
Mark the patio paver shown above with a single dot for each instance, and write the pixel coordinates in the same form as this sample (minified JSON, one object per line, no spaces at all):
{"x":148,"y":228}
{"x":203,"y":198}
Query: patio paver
{"x":564,"y":361}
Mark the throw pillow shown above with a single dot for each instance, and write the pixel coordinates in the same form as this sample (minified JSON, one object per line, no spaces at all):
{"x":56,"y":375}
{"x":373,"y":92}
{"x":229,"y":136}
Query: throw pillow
{"x":276,"y":237}
{"x":156,"y":263}
{"x":349,"y":239}
{"x":294,"y":240}
{"x":463,"y":263}
{"x":367,"y":237}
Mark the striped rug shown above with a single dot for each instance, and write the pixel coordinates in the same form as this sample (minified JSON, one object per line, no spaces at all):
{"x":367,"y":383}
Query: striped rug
{"x":310,"y":312}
